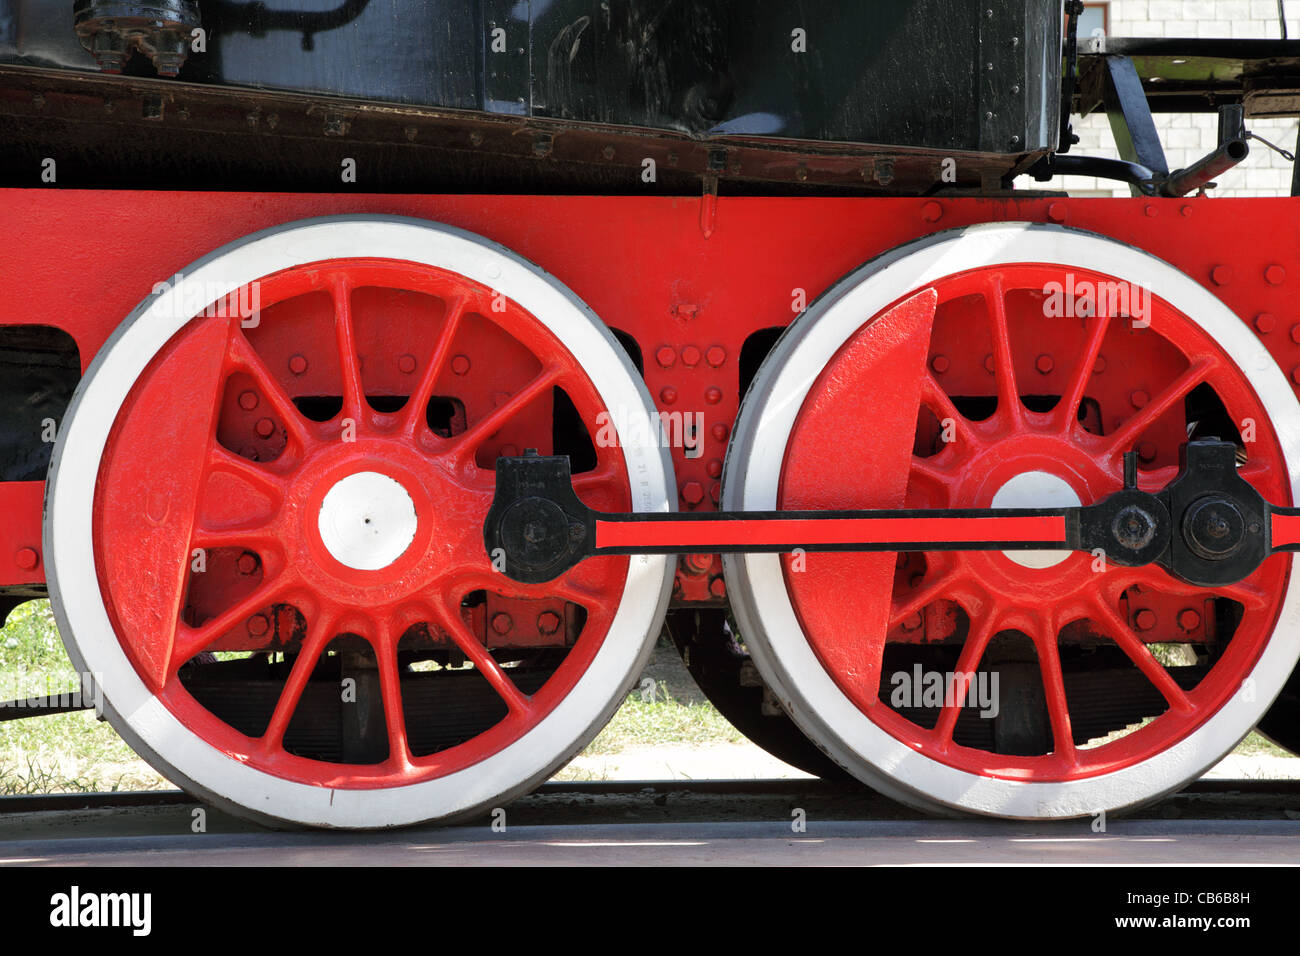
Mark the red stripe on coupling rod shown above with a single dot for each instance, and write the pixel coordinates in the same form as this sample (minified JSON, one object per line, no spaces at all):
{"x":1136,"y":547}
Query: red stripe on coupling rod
{"x":813,"y":532}
{"x":1285,"y":530}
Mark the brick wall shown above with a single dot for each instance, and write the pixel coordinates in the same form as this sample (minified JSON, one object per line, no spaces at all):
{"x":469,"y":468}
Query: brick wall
{"x":1187,"y":138}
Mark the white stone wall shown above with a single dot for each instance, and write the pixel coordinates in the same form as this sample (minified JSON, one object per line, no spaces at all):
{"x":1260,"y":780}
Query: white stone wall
{"x":1187,"y":138}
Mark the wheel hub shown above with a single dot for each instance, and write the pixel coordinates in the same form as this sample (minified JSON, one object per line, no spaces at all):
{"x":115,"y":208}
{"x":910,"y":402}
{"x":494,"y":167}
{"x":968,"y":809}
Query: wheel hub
{"x":1036,"y":489}
{"x":367,"y":521}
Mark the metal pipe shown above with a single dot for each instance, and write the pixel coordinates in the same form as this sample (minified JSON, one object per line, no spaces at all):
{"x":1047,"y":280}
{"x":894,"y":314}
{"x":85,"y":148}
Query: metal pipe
{"x":1204,"y":170}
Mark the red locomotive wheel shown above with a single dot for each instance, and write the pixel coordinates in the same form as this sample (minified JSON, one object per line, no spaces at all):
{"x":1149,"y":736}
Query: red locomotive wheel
{"x":998,"y":371}
{"x":287,"y":590}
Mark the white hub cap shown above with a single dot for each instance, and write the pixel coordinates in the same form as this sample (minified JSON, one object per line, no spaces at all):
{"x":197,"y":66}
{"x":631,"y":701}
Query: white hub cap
{"x":1036,"y":489}
{"x":367,"y":521}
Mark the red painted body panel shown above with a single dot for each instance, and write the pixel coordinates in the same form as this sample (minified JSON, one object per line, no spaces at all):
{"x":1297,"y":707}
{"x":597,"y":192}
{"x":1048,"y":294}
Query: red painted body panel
{"x":81,"y":260}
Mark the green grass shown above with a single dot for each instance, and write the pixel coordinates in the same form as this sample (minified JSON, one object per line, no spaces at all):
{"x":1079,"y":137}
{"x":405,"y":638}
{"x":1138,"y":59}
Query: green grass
{"x":77,"y":753}
{"x":662,"y":720}
{"x":59,"y":753}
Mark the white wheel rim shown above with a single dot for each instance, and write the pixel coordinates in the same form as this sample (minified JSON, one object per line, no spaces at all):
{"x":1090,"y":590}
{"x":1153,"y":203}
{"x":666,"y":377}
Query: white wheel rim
{"x":756,"y":582}
{"x":185,"y":757}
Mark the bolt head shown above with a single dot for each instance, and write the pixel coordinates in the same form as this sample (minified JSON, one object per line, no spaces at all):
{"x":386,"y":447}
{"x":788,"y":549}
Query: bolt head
{"x":1274,"y":275}
{"x":247,"y":563}
{"x":406,"y":364}
{"x":666,"y":357}
{"x":1044,"y":364}
{"x":248,"y":400}
{"x":297,"y":364}
{"x":1221,"y":275}
{"x":548,"y":622}
{"x":698,"y":563}
{"x":501,"y":622}
{"x":691,"y":356}
{"x":258,"y":625}
{"x":940,"y":364}
{"x":460,"y":364}
{"x":716,"y":356}
{"x":265,"y":427}
{"x":692,"y":492}
{"x":1265,"y":322}
{"x":1189,"y":619}
{"x":27,"y":559}
{"x":1145,"y":619}
{"x":932,"y":212}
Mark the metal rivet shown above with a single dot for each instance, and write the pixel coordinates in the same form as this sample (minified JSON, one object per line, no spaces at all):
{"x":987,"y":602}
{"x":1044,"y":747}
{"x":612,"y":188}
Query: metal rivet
{"x":940,"y":363}
{"x":258,"y":625}
{"x":1265,"y":322}
{"x":719,"y":432}
{"x":406,"y":364}
{"x":713,"y":395}
{"x":668,"y":395}
{"x":1139,"y":398}
{"x":248,"y":400}
{"x":932,"y":212}
{"x":297,"y":364}
{"x":27,"y":559}
{"x":265,"y":427}
{"x":460,"y":364}
{"x":714,"y":468}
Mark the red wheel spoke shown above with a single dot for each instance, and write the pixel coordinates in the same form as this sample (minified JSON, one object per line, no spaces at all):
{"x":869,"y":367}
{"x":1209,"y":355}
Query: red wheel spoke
{"x":319,"y":633}
{"x":1138,"y":653}
{"x":936,"y":399}
{"x":1247,"y":595}
{"x":1058,"y":707}
{"x":244,"y":356}
{"x":486,"y":665}
{"x":1069,"y":408}
{"x":354,"y":398}
{"x":600,"y":488}
{"x":925,"y":595}
{"x":580,"y":585}
{"x":455,"y":311}
{"x":193,"y":640}
{"x":468,"y":441}
{"x":1004,"y":361}
{"x":390,"y":684}
{"x":251,"y":473}
{"x":1123,"y":438}
{"x":972,"y":652}
{"x":927,"y":469}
